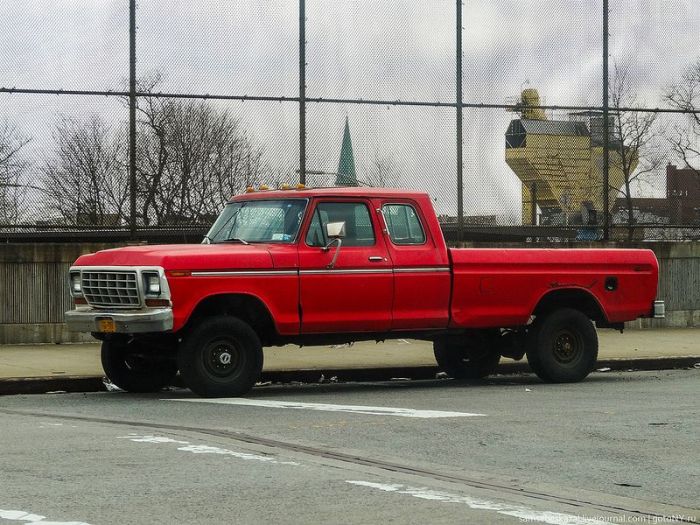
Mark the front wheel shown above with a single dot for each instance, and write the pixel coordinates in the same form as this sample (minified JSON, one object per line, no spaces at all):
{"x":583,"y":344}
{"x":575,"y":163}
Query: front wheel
{"x":220,"y":357}
{"x":471,"y":356}
{"x":562,"y":346}
{"x":133,"y":367}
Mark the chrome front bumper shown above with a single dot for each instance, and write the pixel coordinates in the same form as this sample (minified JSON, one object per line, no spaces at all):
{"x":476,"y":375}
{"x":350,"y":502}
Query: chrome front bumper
{"x":87,"y":319}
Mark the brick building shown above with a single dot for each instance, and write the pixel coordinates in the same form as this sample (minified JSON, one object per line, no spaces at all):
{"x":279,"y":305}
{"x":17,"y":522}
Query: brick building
{"x":683,"y":193}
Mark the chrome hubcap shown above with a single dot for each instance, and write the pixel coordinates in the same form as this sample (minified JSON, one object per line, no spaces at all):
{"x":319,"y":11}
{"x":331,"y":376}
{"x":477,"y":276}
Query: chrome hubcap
{"x":222,"y":358}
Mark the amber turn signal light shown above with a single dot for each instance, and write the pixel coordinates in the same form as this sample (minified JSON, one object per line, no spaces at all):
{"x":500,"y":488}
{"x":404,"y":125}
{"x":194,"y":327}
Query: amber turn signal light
{"x":157,"y":302}
{"x":179,"y":273}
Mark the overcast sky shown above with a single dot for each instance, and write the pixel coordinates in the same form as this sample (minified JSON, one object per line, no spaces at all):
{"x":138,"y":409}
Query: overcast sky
{"x":365,"y":49}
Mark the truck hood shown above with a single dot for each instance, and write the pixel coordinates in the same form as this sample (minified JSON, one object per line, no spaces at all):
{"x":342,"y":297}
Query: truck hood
{"x":184,"y":257}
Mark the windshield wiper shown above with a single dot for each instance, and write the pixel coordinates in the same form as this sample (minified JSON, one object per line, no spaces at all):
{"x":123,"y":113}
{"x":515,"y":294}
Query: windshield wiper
{"x":226,"y":223}
{"x":235,"y":239}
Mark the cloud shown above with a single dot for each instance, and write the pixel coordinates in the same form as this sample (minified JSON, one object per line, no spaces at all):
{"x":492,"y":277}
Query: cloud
{"x":390,"y":50}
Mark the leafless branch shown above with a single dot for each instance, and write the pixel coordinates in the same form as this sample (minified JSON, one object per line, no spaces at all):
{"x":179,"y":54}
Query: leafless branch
{"x":13,"y":167}
{"x":634,"y":146}
{"x":685,"y":95}
{"x":85,"y":175}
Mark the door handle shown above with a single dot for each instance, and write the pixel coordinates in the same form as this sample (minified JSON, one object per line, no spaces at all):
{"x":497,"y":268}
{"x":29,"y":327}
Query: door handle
{"x":376,"y":258}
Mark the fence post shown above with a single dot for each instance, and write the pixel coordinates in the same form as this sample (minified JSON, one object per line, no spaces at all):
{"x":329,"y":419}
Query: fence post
{"x":302,"y":91}
{"x":460,"y":185}
{"x":132,"y":117}
{"x":606,"y":131}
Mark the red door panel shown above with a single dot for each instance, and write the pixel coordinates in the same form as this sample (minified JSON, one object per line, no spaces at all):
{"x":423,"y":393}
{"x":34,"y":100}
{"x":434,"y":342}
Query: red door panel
{"x":356,"y":294}
{"x":422,"y":277}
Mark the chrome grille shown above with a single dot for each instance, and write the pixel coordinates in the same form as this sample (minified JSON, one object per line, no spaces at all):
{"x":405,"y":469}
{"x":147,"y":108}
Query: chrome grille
{"x":112,"y":289}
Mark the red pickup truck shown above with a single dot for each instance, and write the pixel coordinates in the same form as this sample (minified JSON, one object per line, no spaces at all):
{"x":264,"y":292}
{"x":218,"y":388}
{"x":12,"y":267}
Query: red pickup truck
{"x":315,"y":266}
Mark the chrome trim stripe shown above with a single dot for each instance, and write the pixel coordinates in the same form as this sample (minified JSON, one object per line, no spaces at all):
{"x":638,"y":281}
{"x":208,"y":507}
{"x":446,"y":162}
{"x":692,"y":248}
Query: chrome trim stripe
{"x":422,"y":270}
{"x":265,"y":273}
{"x":245,"y":273}
{"x":336,"y":272}
{"x":124,"y":268}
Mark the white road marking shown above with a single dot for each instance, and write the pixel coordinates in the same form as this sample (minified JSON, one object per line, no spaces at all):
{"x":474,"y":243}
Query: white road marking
{"x":325,"y":407}
{"x":27,"y":517}
{"x":524,"y":514}
{"x":152,"y":439}
{"x":204,"y":449}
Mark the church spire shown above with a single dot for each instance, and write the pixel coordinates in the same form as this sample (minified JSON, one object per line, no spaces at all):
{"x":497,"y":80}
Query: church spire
{"x":346,"y":165}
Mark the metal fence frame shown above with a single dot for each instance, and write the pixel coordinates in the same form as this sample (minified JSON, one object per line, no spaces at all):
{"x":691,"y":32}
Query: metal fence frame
{"x":454,"y":233}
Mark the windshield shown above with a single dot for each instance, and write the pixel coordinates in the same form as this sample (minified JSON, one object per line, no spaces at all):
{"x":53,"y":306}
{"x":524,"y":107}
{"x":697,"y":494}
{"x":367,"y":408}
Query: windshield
{"x":259,"y":221}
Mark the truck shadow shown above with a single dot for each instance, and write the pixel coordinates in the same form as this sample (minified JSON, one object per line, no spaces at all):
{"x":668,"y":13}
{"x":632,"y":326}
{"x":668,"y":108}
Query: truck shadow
{"x":496,"y":382}
{"x":521,"y":381}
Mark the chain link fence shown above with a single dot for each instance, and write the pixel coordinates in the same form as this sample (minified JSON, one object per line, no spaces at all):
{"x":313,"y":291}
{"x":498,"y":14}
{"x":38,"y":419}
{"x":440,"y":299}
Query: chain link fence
{"x":559,"y":120}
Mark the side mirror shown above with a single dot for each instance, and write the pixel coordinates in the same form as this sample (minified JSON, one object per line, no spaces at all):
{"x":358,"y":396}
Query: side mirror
{"x":335,"y":230}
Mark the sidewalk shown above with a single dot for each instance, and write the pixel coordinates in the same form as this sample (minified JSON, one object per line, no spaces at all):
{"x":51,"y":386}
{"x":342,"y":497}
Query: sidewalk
{"x":78,"y":365}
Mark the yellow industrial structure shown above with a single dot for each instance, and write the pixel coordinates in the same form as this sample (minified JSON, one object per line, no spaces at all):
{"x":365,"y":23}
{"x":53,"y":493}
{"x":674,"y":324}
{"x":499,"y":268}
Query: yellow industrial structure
{"x":559,"y":163}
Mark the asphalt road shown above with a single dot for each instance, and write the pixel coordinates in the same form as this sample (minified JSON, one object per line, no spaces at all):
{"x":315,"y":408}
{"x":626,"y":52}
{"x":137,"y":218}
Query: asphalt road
{"x":616,"y":448}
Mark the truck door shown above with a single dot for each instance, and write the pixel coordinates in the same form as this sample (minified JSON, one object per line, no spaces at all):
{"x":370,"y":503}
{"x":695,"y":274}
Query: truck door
{"x":422,"y":279}
{"x":354,"y":295}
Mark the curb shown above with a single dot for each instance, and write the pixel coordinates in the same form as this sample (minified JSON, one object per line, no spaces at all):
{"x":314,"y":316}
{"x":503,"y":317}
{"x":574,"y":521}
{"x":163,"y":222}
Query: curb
{"x":44,"y":385}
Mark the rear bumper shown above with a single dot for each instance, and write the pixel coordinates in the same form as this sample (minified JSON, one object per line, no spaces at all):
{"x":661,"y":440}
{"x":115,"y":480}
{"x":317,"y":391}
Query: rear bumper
{"x":131,"y":322}
{"x":659,"y":310}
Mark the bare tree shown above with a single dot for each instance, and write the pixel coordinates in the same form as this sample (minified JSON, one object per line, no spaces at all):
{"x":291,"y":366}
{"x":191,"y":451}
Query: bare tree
{"x":85,"y":178}
{"x":685,"y":95}
{"x":13,"y":167}
{"x":382,"y":172}
{"x":191,"y":157}
{"x":278,"y":177}
{"x":634,"y":150}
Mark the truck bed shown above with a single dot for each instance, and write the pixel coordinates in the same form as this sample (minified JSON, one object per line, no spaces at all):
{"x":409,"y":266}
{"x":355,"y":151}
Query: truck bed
{"x":501,"y":287}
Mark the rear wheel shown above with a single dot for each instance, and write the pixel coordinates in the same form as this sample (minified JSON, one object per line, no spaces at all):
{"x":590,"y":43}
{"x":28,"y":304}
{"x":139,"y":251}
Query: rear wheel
{"x":562,"y":346}
{"x":471,"y":356}
{"x":133,"y":367}
{"x":221,"y":356}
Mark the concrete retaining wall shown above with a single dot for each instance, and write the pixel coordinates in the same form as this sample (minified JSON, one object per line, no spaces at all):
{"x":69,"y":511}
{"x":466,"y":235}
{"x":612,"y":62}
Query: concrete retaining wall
{"x":34,"y":290}
{"x":679,"y":286}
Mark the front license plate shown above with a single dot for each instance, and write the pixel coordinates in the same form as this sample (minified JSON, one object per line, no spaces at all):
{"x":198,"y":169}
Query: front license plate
{"x":106,"y":325}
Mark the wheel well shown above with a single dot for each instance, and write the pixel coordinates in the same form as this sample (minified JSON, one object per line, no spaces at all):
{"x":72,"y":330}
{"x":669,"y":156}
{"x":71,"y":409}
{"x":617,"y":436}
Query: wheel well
{"x":578,"y":299}
{"x":246,"y":307}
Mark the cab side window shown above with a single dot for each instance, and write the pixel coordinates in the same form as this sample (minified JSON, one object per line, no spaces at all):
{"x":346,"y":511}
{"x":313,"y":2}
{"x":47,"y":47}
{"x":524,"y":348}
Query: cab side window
{"x":403,"y":224}
{"x":355,"y":215}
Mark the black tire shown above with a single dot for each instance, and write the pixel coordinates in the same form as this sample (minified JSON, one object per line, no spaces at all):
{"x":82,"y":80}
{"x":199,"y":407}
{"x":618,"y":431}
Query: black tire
{"x":220,"y":357}
{"x":133,"y":367}
{"x":562,"y":346}
{"x":471,"y":356}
